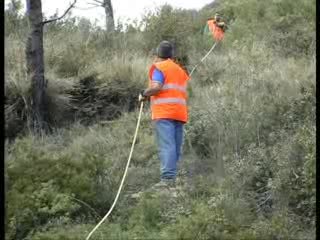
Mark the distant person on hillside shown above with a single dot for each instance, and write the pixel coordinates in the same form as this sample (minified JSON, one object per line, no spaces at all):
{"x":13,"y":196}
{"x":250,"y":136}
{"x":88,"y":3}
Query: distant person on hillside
{"x":168,"y":96}
{"x":216,"y":26}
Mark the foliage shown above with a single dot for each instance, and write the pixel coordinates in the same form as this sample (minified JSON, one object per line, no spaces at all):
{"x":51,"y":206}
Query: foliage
{"x":60,"y":172}
{"x":248,"y":168}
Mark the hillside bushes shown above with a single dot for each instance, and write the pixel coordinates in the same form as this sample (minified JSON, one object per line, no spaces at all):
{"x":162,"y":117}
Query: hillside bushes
{"x":69,"y":176}
{"x":248,"y":167}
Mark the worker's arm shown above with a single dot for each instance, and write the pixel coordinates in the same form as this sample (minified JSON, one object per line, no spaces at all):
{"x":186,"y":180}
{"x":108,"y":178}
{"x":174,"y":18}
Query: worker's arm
{"x":156,"y":85}
{"x":154,"y":89}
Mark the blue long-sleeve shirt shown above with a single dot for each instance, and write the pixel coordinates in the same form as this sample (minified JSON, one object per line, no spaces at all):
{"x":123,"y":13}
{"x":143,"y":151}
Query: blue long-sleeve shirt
{"x":157,"y":76}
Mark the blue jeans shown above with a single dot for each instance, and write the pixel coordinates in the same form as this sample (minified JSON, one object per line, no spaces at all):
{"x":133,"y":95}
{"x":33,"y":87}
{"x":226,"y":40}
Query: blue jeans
{"x":169,"y":136}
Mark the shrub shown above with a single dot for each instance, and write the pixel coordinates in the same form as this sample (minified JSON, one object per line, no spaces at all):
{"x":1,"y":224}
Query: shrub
{"x":249,"y":150}
{"x":66,"y":175}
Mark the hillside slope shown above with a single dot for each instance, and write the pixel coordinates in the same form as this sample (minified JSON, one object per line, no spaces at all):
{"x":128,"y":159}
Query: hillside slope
{"x":248,"y":167}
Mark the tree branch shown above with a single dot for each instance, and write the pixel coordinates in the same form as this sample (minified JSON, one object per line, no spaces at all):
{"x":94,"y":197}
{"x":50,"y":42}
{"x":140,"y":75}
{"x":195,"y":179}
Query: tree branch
{"x":88,"y":8}
{"x":97,"y":1}
{"x":96,"y":5}
{"x":65,"y":13}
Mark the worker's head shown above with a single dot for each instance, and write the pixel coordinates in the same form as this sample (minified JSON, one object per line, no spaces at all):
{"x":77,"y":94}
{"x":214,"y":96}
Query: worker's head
{"x":165,"y":50}
{"x":217,"y":17}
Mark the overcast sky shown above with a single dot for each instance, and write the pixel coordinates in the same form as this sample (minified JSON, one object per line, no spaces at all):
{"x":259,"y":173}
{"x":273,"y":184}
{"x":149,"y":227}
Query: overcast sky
{"x":123,"y":9}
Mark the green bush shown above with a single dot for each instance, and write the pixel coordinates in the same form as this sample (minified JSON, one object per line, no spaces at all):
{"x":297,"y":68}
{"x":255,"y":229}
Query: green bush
{"x":67,"y":175}
{"x":205,"y":222}
{"x":175,"y":25}
{"x":75,"y":232}
{"x":248,"y":168}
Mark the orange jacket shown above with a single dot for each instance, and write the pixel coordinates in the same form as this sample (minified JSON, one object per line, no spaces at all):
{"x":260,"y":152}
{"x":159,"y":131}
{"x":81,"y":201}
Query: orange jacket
{"x":171,"y":101}
{"x":217,"y":32}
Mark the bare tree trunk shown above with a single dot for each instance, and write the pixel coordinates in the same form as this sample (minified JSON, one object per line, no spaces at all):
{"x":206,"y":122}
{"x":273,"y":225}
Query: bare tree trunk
{"x":35,"y":65}
{"x":109,"y":15}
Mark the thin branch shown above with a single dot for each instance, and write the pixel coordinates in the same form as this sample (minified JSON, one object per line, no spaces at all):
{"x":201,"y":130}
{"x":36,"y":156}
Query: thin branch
{"x":65,"y":13}
{"x":84,"y":203}
{"x":94,"y":4}
{"x":296,"y":175}
{"x":88,"y":8}
{"x":97,"y":1}
{"x":263,"y":203}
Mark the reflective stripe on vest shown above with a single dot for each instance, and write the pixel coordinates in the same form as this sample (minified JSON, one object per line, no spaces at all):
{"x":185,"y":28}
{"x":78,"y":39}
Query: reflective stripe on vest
{"x":174,"y":86}
{"x":169,"y":100}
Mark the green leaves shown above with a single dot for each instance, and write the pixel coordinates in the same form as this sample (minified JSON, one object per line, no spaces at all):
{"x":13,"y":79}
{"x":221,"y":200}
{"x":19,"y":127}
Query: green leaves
{"x":249,"y":149}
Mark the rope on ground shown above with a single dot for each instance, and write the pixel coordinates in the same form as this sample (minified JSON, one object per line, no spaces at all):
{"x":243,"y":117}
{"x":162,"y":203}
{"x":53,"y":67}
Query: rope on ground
{"x":211,"y":49}
{"x":124,"y":175}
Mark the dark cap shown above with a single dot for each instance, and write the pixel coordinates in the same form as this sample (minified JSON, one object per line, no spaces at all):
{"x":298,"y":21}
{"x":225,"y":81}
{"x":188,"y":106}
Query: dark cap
{"x":165,"y":49}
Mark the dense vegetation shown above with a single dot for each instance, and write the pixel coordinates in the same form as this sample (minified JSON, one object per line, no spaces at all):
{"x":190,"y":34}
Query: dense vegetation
{"x":248,"y":170}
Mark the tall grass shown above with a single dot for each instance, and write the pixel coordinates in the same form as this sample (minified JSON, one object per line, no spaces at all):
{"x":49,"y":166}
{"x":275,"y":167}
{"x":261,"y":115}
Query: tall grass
{"x":115,"y":77}
{"x":248,"y":166}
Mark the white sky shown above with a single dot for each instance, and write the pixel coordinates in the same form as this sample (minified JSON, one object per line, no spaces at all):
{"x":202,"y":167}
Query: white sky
{"x":123,"y":9}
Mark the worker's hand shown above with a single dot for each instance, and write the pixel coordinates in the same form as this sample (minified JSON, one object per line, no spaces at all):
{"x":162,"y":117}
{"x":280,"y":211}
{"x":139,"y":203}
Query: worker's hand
{"x":142,"y":97}
{"x":221,"y":24}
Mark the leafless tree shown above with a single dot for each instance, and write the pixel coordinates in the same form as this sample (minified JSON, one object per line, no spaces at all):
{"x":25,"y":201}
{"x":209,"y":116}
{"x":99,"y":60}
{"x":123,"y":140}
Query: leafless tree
{"x":35,"y":62}
{"x":107,"y":5}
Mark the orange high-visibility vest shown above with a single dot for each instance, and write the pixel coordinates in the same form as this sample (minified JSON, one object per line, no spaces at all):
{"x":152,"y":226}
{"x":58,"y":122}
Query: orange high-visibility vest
{"x":171,"y":101}
{"x":216,"y":31}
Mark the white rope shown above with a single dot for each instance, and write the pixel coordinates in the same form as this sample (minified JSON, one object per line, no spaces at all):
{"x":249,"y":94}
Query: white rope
{"x":211,"y":49}
{"x":131,"y":151}
{"x":124,"y":175}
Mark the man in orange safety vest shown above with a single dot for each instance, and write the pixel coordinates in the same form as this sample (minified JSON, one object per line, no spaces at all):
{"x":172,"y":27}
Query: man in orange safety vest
{"x":217,"y":27}
{"x":168,"y":97}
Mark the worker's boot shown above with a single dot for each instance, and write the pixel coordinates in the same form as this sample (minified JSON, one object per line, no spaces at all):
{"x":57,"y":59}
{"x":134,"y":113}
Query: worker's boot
{"x":165,"y":186}
{"x":165,"y":183}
